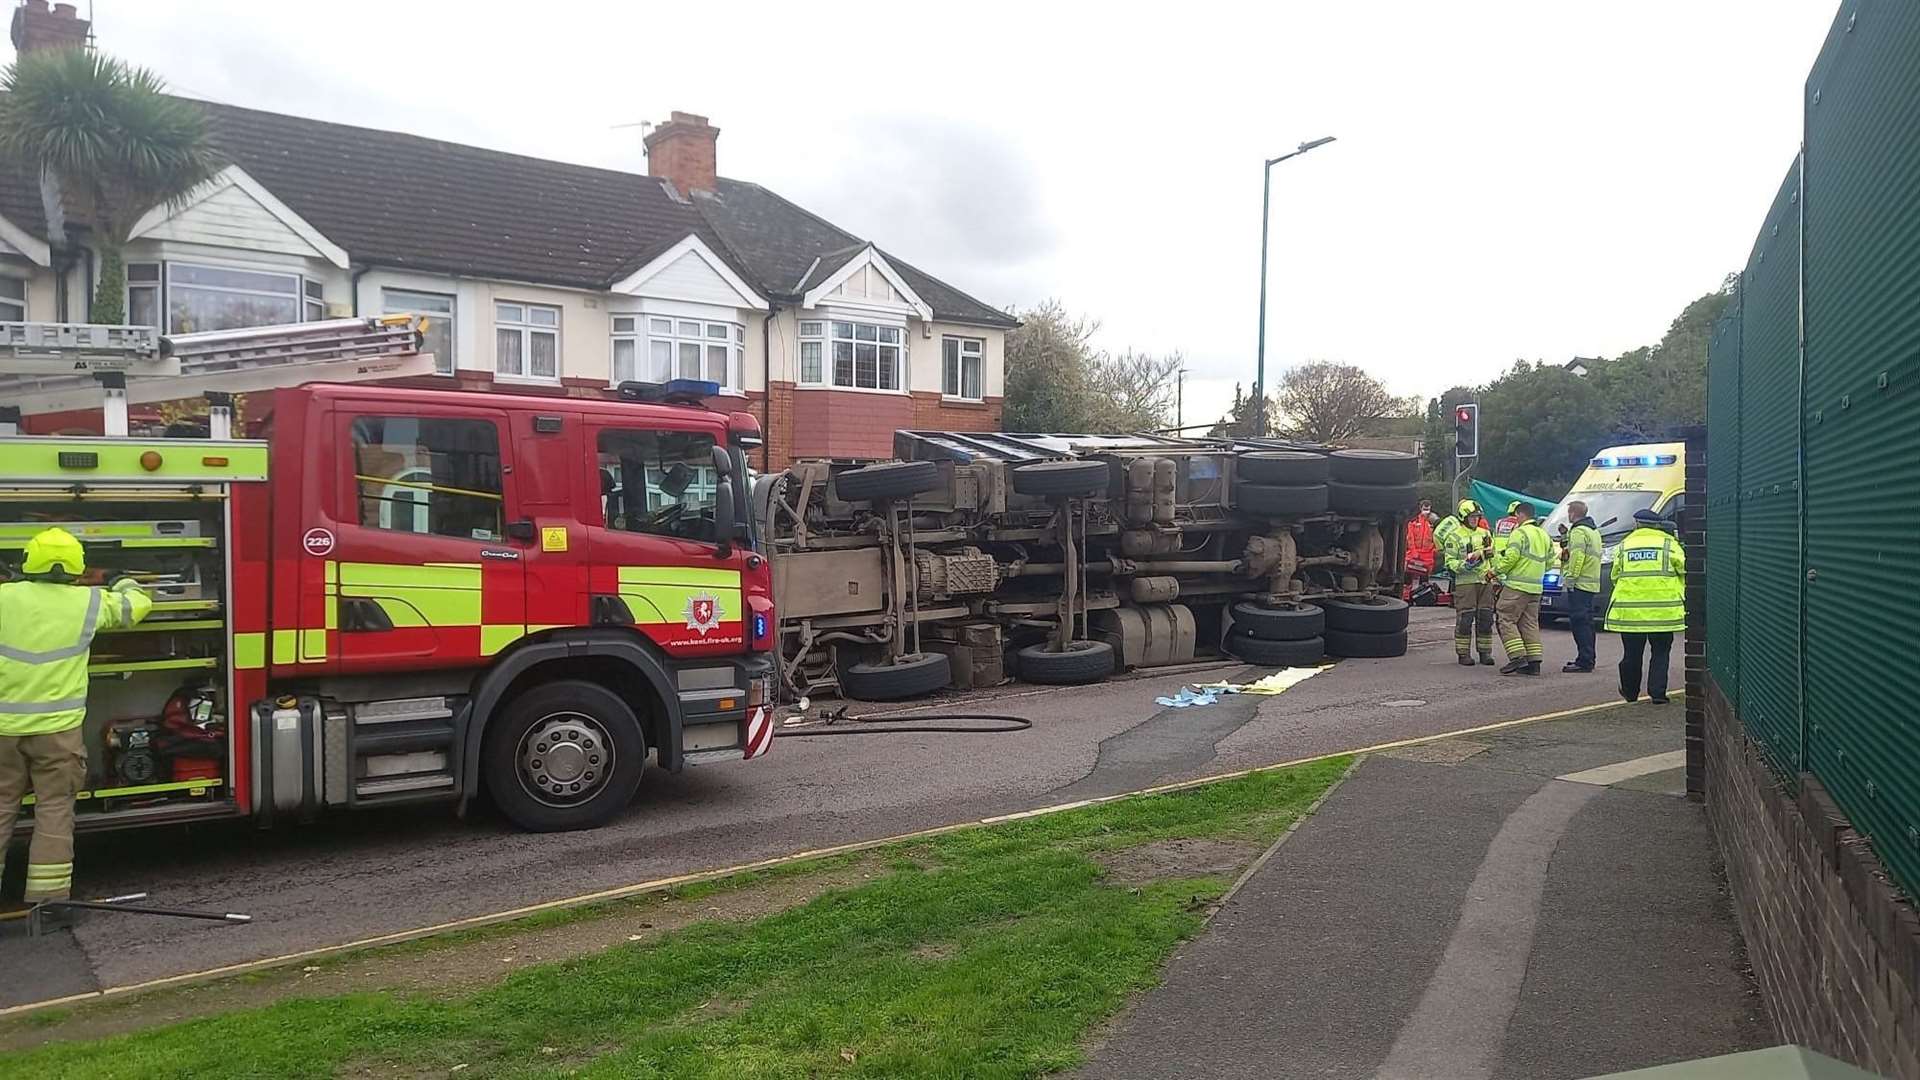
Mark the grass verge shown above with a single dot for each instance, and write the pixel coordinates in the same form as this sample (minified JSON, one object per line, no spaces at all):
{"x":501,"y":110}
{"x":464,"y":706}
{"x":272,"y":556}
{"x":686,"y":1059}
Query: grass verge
{"x":989,"y":952}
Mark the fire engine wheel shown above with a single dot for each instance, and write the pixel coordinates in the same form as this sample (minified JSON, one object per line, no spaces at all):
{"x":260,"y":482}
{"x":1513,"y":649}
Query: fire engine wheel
{"x":1374,"y":467}
{"x":1354,"y":644}
{"x":908,"y":676}
{"x":887,"y":480}
{"x":1374,"y":615}
{"x":1269,"y":500}
{"x":1076,"y":479}
{"x":1351,"y":498}
{"x":1261,"y":652}
{"x":1288,"y":467}
{"x":1080,"y":662}
{"x":565,"y":755}
{"x":1278,"y":623}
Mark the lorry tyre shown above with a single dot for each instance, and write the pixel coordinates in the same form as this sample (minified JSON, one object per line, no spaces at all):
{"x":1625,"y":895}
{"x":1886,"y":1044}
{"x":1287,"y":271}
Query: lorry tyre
{"x":887,"y":480}
{"x":1297,"y":623}
{"x":1291,"y":468}
{"x":1351,"y":498}
{"x":564,"y":755}
{"x":1374,"y":615}
{"x":1270,"y":500}
{"x":1077,"y":479}
{"x":1080,"y":662}
{"x":1355,"y":644}
{"x":1261,"y":652}
{"x":1374,"y":467}
{"x":908,"y":676}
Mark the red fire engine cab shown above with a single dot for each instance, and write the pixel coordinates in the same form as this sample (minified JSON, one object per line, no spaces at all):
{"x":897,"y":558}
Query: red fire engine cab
{"x":407,"y":595}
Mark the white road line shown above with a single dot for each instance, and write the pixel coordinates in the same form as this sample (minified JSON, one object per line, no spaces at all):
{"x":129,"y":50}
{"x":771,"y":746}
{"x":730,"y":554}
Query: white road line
{"x":1606,"y":775}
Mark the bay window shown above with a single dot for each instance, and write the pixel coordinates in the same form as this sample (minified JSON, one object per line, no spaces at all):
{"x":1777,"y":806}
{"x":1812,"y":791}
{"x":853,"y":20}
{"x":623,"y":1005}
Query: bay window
{"x":437,"y":309}
{"x":203,"y":298}
{"x":526,"y":341}
{"x":852,"y":355}
{"x":13,"y":299}
{"x":963,"y":363}
{"x":654,"y":348}
{"x":143,"y":294}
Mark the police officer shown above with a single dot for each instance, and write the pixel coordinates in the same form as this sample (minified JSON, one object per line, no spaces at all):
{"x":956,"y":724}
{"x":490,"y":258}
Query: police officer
{"x":1462,"y":538}
{"x":47,"y":623}
{"x":1521,"y":569}
{"x":1649,"y":603}
{"x":1581,"y":579}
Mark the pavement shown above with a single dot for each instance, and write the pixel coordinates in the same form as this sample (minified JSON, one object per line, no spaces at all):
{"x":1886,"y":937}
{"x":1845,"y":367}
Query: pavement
{"x":357,"y":875}
{"x":1536,"y":902}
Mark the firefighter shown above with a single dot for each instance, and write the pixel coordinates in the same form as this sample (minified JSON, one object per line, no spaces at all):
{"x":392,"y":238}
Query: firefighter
{"x":47,"y":623}
{"x":1521,"y":569}
{"x":1581,"y":579}
{"x":1649,"y":603}
{"x":1461,"y":538}
{"x":1504,"y":528}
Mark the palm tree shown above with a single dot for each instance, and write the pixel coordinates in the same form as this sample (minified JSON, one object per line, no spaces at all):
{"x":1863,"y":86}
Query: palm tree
{"x":115,"y":142}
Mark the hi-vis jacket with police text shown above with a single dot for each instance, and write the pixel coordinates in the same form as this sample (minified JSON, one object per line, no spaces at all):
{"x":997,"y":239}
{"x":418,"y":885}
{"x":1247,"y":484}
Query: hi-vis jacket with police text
{"x":1522,"y":565}
{"x":1649,"y":584}
{"x":46,"y":637}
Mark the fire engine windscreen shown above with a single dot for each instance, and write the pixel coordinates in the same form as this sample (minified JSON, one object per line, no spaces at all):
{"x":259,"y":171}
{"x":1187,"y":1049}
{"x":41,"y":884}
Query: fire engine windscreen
{"x":659,"y":482}
{"x":429,"y":475}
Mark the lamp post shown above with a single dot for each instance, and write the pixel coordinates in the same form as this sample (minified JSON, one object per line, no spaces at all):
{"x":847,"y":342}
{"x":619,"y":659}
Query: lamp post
{"x":1260,"y":363}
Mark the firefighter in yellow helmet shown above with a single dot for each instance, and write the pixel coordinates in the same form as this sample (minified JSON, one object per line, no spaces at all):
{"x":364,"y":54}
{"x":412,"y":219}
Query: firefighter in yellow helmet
{"x":47,"y":623}
{"x":1521,"y":569}
{"x":1462,"y":540}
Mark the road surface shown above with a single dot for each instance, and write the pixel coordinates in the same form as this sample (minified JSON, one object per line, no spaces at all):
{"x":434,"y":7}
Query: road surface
{"x":360,"y":875}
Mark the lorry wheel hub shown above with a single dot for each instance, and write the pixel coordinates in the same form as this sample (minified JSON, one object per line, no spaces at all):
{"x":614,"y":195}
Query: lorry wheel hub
{"x":565,"y":759}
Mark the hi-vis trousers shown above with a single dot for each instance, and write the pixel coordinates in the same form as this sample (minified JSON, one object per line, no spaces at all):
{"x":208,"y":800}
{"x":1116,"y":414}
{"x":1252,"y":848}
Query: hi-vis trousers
{"x":1520,"y":624}
{"x":56,"y":765}
{"x":1472,"y":617}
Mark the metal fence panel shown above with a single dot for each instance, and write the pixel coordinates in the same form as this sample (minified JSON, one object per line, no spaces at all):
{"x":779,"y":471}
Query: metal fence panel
{"x":1862,"y":423}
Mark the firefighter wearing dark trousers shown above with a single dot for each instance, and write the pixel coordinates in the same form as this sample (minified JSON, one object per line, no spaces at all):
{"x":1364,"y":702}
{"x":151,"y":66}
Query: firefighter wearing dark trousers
{"x":1649,"y":603}
{"x":47,"y":624}
{"x":1521,"y":569}
{"x":1462,"y":539}
{"x":1581,"y":580}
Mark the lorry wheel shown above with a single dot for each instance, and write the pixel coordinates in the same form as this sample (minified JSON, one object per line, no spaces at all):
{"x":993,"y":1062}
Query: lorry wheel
{"x":1306,"y":652}
{"x":1374,"y":615}
{"x":1297,"y":623}
{"x":1080,"y":662}
{"x":1374,"y":467}
{"x":1351,"y":498}
{"x":887,"y":480}
{"x":1071,"y":478}
{"x":564,"y":755}
{"x":1355,"y":644}
{"x":1292,"y":468}
{"x":908,"y":676}
{"x":1270,"y":500}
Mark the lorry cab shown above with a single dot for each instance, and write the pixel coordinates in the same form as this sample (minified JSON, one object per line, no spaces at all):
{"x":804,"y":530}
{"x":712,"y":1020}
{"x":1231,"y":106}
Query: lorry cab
{"x":1618,"y":482}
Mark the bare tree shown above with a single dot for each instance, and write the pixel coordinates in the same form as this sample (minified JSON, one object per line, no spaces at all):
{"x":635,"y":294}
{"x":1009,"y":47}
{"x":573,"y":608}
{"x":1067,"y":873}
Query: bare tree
{"x":1135,"y":391}
{"x":1327,"y":402}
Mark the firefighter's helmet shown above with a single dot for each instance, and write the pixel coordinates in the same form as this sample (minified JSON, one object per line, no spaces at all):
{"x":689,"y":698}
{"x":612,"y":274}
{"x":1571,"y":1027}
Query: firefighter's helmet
{"x":1468,"y":508}
{"x":52,"y":548}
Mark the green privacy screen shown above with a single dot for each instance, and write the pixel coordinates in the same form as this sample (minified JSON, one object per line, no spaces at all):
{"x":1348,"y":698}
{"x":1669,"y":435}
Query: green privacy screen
{"x":1813,"y":435}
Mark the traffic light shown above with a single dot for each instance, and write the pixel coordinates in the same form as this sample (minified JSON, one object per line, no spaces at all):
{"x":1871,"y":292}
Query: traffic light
{"x":1466,"y":430}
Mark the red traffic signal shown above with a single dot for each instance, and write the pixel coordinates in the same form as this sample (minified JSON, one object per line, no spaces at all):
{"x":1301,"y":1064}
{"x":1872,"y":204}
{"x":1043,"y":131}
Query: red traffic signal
{"x":1463,"y":415}
{"x":1466,"y":430}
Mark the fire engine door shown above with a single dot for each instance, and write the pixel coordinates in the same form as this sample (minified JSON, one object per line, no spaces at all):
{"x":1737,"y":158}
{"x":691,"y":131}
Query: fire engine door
{"x":423,"y":572}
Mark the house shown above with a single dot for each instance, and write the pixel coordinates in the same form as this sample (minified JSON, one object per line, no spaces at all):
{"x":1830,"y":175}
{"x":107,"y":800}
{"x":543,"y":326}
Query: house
{"x":534,"y":274}
{"x":1582,"y":366}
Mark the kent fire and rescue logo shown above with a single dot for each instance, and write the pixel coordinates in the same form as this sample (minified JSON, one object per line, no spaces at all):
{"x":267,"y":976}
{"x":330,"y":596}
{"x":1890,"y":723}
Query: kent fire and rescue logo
{"x":703,"y":612}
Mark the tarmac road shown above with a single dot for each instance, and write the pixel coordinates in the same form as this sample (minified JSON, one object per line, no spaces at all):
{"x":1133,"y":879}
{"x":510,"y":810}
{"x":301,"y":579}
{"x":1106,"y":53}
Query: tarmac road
{"x":360,"y":875}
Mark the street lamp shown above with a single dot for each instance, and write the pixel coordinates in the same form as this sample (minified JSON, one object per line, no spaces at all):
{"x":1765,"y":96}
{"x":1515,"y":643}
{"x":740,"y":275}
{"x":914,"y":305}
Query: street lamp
{"x":1260,"y":363}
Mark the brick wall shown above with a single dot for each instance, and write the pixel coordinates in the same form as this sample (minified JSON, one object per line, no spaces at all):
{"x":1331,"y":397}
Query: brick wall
{"x":931,"y":412}
{"x":1835,"y":950}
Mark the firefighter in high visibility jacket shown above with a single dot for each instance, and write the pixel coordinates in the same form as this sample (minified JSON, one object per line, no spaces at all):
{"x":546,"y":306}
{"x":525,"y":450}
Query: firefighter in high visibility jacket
{"x":47,"y":623}
{"x":1462,"y":538}
{"x":1521,"y":569}
{"x":1649,"y":603}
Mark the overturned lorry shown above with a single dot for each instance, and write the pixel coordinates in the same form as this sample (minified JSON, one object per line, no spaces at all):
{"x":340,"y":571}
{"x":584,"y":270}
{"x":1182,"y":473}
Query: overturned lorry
{"x":1065,"y":558}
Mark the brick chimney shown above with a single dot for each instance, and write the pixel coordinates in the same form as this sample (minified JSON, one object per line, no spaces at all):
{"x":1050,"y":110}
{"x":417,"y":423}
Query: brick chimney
{"x":35,"y":26}
{"x":681,"y":152}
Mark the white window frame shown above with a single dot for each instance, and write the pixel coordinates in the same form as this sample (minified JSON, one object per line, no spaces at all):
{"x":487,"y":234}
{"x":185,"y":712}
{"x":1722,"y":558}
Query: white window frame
{"x":398,"y":300}
{"x":153,"y":286}
{"x":526,"y":328}
{"x":831,"y":333}
{"x":953,"y":382}
{"x":309,"y":294}
{"x":648,"y":334}
{"x":8,"y":304}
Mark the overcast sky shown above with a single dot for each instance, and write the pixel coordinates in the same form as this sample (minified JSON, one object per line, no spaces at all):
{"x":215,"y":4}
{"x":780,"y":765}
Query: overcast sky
{"x":1527,"y":179}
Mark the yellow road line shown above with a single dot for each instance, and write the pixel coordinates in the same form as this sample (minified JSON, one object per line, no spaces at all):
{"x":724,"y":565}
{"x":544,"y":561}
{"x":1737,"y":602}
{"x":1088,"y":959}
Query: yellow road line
{"x":622,"y":892}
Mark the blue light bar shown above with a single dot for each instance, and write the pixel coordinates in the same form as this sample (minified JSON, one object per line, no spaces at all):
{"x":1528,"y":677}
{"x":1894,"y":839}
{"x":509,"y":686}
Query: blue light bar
{"x":673,"y":391}
{"x":1665,"y":459}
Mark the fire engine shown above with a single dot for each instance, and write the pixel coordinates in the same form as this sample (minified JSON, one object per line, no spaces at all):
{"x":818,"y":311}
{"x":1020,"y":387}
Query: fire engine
{"x":391,"y":594}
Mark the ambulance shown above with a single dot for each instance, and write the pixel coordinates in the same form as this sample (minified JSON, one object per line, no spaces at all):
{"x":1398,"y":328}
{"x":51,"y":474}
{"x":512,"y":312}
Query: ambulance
{"x":1618,"y":482}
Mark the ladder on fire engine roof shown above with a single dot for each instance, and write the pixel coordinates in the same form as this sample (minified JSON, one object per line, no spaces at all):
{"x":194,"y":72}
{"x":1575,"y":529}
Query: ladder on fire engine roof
{"x":62,"y":367}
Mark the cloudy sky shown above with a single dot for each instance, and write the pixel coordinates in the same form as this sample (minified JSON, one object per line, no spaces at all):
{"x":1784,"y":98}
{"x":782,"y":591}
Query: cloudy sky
{"x":1511,"y":180}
